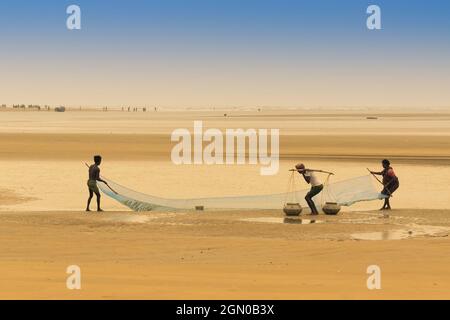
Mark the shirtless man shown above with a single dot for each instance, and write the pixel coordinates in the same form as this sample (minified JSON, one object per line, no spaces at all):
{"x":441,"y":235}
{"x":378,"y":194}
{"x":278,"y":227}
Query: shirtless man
{"x":94,"y":176}
{"x":316,"y":184}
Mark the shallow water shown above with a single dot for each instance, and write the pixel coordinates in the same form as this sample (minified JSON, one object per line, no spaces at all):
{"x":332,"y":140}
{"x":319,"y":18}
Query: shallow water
{"x":61,"y":185}
{"x":382,"y":235}
{"x":129,"y":218}
{"x":144,"y":122}
{"x":282,"y":220}
{"x":411,"y":232}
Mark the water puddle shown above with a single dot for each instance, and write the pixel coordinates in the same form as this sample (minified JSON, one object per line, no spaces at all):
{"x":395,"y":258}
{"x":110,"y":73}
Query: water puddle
{"x":129,"y":218}
{"x":414,"y":230}
{"x":140,"y":218}
{"x":382,"y":235}
{"x":282,"y":220}
{"x":363,"y":220}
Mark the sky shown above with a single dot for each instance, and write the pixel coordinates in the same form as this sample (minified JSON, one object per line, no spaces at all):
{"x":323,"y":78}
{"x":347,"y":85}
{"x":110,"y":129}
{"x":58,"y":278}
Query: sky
{"x":226,"y":53}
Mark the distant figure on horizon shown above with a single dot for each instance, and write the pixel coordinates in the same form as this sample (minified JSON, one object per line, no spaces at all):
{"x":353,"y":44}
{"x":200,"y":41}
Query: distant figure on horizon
{"x":390,"y":182}
{"x":94,"y":176}
{"x":316,"y":184}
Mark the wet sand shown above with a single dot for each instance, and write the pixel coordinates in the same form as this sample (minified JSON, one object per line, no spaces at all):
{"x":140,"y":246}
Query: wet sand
{"x":146,"y":135}
{"x":61,"y":146}
{"x":218,"y":254}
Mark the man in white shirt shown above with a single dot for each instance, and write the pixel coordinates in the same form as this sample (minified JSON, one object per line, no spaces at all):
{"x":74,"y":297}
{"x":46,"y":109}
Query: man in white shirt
{"x":316,"y":185}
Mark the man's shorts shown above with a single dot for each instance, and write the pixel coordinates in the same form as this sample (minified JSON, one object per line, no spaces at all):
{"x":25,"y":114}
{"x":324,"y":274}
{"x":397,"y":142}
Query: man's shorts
{"x":92,"y":185}
{"x":391,"y":188}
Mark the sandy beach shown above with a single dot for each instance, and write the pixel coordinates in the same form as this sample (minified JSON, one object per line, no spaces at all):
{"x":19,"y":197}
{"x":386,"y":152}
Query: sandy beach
{"x":219,"y":255}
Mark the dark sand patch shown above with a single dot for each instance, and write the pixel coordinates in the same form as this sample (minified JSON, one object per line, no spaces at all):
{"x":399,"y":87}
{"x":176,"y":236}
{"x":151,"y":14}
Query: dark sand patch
{"x":9,"y":197}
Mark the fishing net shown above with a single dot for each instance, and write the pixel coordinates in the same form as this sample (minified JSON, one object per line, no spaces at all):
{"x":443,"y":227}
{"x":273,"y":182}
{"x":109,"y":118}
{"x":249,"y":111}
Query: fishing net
{"x":327,"y":194}
{"x":345,"y":193}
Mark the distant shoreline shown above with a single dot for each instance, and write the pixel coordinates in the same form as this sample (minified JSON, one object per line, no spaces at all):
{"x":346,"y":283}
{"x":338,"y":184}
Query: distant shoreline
{"x":308,"y":110}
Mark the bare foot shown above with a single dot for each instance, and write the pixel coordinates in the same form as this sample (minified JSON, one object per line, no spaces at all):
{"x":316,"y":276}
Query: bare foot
{"x":99,"y":210}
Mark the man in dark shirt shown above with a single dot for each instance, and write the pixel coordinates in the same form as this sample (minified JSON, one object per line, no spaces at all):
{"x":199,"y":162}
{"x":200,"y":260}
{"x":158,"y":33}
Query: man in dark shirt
{"x":390,"y":182}
{"x":94,"y":176}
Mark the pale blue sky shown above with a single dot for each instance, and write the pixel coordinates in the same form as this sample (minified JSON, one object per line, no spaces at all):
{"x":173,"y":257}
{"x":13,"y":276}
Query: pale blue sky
{"x":226,"y":53}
